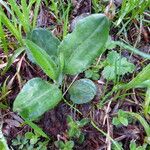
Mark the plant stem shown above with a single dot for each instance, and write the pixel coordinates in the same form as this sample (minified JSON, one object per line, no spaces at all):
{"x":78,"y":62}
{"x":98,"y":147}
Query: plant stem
{"x":105,"y":134}
{"x":132,"y":49}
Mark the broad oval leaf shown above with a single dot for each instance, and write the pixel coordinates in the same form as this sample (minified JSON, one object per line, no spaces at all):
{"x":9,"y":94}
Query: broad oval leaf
{"x":43,"y":59}
{"x":85,"y":43}
{"x":45,"y":40}
{"x":36,"y":97}
{"x":82,"y":91}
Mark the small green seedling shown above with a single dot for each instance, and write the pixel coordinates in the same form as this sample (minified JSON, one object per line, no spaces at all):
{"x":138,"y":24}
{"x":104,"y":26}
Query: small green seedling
{"x":74,"y":133}
{"x":29,"y":141}
{"x":33,"y":138}
{"x":133,"y":146}
{"x":115,"y":66}
{"x":122,"y":119}
{"x":21,"y":143}
{"x":92,"y":73}
{"x":68,"y":145}
{"x":74,"y":130}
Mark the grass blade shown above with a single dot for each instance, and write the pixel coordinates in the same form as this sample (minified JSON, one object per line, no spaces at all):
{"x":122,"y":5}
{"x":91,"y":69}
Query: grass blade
{"x":143,"y":76}
{"x":141,"y":120}
{"x":36,"y":128}
{"x":6,"y":6}
{"x":3,"y":40}
{"x":26,"y":12}
{"x":132,"y":49}
{"x":36,"y":10}
{"x":13,"y":57}
{"x":147,"y":102}
{"x":11,"y":27}
{"x":20,"y":15}
{"x":105,"y":134}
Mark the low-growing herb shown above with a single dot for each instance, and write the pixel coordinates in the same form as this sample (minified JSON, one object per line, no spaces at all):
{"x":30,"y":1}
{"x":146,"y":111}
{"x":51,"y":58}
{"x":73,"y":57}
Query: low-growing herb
{"x":71,"y":56}
{"x":74,"y":130}
{"x":30,"y":141}
{"x":92,"y":74}
{"x":68,"y":145}
{"x":121,"y":119}
{"x":133,"y":146}
{"x":124,"y":118}
{"x":115,"y":65}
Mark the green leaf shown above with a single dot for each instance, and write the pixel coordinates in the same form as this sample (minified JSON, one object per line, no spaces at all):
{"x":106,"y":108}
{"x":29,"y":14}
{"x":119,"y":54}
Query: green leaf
{"x":141,"y":120}
{"x":85,"y":43}
{"x":117,"y":146}
{"x":109,"y":44}
{"x":121,"y":113}
{"x":123,"y":120}
{"x":141,"y":148}
{"x":83,"y":122}
{"x":93,"y":74}
{"x":115,"y":65}
{"x":45,"y":40}
{"x":70,"y":144}
{"x":112,"y":57}
{"x":12,"y":58}
{"x":43,"y":60}
{"x":122,"y":117}
{"x":82,"y":91}
{"x":3,"y":40}
{"x":36,"y":11}
{"x":143,"y":76}
{"x":34,"y":140}
{"x":116,"y":121}
{"x":22,"y":18}
{"x":88,"y":73}
{"x":69,"y":119}
{"x":147,"y":102}
{"x":132,"y":49}
{"x":144,"y":84}
{"x":3,"y":106}
{"x":36,"y":128}
{"x":36,"y":97}
{"x":11,"y":27}
{"x":132,"y":145}
{"x":29,"y":135}
{"x":3,"y":142}
{"x":109,"y":73}
{"x":81,"y":138}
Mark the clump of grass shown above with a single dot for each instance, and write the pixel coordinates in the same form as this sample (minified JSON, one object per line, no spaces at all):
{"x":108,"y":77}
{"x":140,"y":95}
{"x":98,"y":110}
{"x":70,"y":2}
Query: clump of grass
{"x":132,"y":8}
{"x":19,"y":21}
